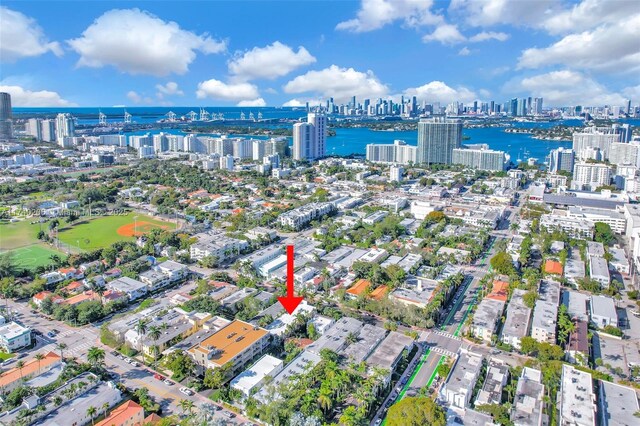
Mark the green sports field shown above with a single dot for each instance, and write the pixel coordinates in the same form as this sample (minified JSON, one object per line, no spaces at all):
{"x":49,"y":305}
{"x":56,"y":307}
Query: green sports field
{"x":35,"y":255}
{"x":21,"y":238}
{"x":100,"y":232}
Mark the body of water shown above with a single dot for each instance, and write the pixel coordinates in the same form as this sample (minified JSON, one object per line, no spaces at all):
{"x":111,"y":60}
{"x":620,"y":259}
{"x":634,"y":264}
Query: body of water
{"x":347,"y":140}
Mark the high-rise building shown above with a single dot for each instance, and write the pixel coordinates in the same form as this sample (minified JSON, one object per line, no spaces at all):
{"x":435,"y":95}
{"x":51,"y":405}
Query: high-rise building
{"x":309,"y":139}
{"x":6,"y":116}
{"x":48,"y":130}
{"x":624,"y":130}
{"x":243,"y":148}
{"x":481,"y":159}
{"x":590,"y":175}
{"x":437,"y":138}
{"x":258,"y":149}
{"x":160,"y":143}
{"x":399,"y":153}
{"x":561,"y":159}
{"x":226,"y":162}
{"x":34,"y":128}
{"x":395,"y":173}
{"x":536,"y":107}
{"x":65,"y":126}
{"x":625,"y":154}
{"x":521,"y":107}
{"x":594,"y":137}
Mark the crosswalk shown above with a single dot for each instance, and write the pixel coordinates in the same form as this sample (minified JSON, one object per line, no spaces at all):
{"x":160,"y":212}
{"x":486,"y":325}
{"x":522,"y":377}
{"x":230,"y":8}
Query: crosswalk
{"x":447,"y":335}
{"x":442,"y":351}
{"x":78,"y":350}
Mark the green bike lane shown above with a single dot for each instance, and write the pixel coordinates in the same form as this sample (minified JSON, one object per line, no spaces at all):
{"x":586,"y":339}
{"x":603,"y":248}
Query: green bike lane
{"x":447,"y":323}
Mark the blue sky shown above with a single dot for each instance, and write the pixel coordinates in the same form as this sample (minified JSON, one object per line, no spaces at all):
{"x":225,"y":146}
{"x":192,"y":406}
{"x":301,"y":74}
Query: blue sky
{"x":97,"y":53}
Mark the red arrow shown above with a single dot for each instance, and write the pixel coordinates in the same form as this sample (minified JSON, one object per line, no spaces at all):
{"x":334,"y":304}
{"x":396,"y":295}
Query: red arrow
{"x":291,"y":302}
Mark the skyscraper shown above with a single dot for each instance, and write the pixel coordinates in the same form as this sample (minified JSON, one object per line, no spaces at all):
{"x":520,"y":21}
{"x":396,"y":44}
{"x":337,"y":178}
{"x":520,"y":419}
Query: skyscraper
{"x":65,"y":127}
{"x":309,"y":139}
{"x":437,"y":138}
{"x":561,"y":159}
{"x":6,"y":125}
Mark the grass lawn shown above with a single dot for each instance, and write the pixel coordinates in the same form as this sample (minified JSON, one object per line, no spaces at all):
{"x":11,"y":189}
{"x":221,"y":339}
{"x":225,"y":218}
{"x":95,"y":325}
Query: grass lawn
{"x":35,"y":255}
{"x":5,"y":356}
{"x":100,"y":232}
{"x":19,"y":234}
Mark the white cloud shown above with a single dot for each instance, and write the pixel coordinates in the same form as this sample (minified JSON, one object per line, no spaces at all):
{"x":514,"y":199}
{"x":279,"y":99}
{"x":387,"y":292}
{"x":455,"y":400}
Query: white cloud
{"x":269,"y":62}
{"x":438,"y":91}
{"x":337,"y":82}
{"x":21,"y":97}
{"x":259,"y":102}
{"x":464,"y":51}
{"x":294,"y":103}
{"x":607,"y":48}
{"x":169,"y":89}
{"x":590,"y":14}
{"x":445,"y":34}
{"x":375,"y":14}
{"x":566,"y":87}
{"x":632,"y":92}
{"x":134,"y":96}
{"x":484,"y":13}
{"x":138,"y":42}
{"x":489,"y":35}
{"x":217,"y":89}
{"x":22,"y":37}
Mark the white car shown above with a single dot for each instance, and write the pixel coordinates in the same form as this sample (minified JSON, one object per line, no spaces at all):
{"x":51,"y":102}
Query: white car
{"x":168,"y":382}
{"x":186,"y":391}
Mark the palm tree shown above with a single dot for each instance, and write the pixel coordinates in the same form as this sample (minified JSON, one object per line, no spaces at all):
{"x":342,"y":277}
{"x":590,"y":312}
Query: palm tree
{"x":95,"y":356}
{"x":141,"y":329}
{"x":91,"y":411}
{"x":39,"y":358}
{"x":155,"y":332}
{"x":186,"y":405}
{"x":61,"y":347}
{"x":20,"y":366}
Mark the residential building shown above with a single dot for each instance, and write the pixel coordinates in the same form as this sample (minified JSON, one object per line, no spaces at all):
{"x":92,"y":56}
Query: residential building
{"x":590,"y":176}
{"x":309,"y":139}
{"x":529,"y":399}
{"x":420,"y":209}
{"x":252,"y":378}
{"x":494,"y":382}
{"x":65,"y":127}
{"x":458,"y":388}
{"x":577,"y":350}
{"x":398,"y":152}
{"x":603,"y":311}
{"x":389,"y":352}
{"x":561,"y":159}
{"x":594,"y":138}
{"x":599,"y":270}
{"x":14,"y":336}
{"x":576,"y":304}
{"x":6,"y":116}
{"x":614,"y":219}
{"x":545,"y":312}
{"x":128,"y":414}
{"x":576,"y":400}
{"x":485,"y":318}
{"x":516,"y":324}
{"x":576,"y":228}
{"x":574,"y":270}
{"x":437,"y":138}
{"x":298,"y":218}
{"x":481,"y":159}
{"x":134,"y":289}
{"x":395,"y":173}
{"x":619,"y":260}
{"x":216,"y":244}
{"x":15,"y":377}
{"x":234,"y":345}
{"x":624,"y":153}
{"x":617,"y":404}
{"x":303,"y":362}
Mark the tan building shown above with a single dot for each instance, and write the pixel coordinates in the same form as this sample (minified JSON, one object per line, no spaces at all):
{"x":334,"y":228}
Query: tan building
{"x":235,"y":344}
{"x":15,"y":377}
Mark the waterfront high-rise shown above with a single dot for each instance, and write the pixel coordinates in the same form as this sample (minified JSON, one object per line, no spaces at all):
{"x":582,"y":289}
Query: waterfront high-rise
{"x":561,"y":159}
{"x":6,"y":116}
{"x":590,"y":176}
{"x":65,"y":127}
{"x":437,"y":138}
{"x":399,"y":153}
{"x":594,"y":137}
{"x":479,"y":158}
{"x":309,"y":139}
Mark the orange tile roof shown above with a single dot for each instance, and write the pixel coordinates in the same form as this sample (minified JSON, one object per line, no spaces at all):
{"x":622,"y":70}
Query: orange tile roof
{"x":30,"y":367}
{"x":230,"y":340}
{"x":73,"y":285}
{"x":379,"y":292}
{"x":152,"y":419}
{"x":124,"y":414}
{"x":553,"y":267}
{"x":82,"y":297}
{"x":42,"y":295}
{"x":500,"y":291}
{"x":359,"y":287}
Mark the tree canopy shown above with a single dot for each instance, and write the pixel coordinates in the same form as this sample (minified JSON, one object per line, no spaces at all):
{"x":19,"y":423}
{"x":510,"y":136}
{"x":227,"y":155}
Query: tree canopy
{"x":418,"y":411}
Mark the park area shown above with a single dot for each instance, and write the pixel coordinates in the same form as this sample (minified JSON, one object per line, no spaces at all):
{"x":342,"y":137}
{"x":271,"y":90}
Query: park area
{"x":100,"y":232}
{"x":21,"y":237}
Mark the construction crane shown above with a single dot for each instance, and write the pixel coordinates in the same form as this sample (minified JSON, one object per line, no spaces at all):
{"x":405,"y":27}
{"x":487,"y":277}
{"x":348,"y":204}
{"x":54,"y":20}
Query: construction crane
{"x":193,"y":116}
{"x":204,"y":115}
{"x":127,"y":117}
{"x":171,"y":116}
{"x":102,"y":119}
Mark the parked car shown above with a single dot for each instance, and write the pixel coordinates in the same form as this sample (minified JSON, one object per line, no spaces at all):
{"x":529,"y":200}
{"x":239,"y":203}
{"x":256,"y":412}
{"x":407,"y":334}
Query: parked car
{"x":168,"y":382}
{"x":228,"y":414}
{"x":158,"y":377}
{"x":186,"y":391}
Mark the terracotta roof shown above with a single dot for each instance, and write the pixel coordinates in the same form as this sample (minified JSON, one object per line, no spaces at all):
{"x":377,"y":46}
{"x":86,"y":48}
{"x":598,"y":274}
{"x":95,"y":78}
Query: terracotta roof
{"x":82,"y":297}
{"x":500,"y":291}
{"x":379,"y":292}
{"x":30,"y":367}
{"x":123,"y":415}
{"x":553,"y":267}
{"x":151,"y":419}
{"x":74,"y":285}
{"x":42,"y":295}
{"x":359,"y":287}
{"x":230,"y":341}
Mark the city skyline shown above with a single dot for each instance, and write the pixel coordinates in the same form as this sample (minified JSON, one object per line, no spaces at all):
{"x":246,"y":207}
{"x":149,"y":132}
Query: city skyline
{"x":569,"y":53}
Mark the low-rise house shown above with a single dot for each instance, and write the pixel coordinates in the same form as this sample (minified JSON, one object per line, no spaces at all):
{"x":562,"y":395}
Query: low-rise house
{"x":576,"y":304}
{"x":252,"y":378}
{"x":619,"y":260}
{"x":553,"y":267}
{"x":299,"y":365}
{"x":38,"y":298}
{"x":494,"y":382}
{"x":516,"y":324}
{"x":574,"y":270}
{"x":576,"y":400}
{"x":617,"y":404}
{"x":358,"y":289}
{"x":603,"y":311}
{"x":389,"y":353}
{"x":485,"y":318}
{"x":234,"y":345}
{"x":134,"y":289}
{"x":111,"y":296}
{"x":417,"y":292}
{"x":74,"y":287}
{"x":577,"y":350}
{"x":599,"y":270}
{"x":458,"y":388}
{"x":528,"y":402}
{"x":279,"y":325}
{"x":14,"y":336}
{"x":14,"y":378}
{"x":128,"y":414}
{"x":545,"y":312}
